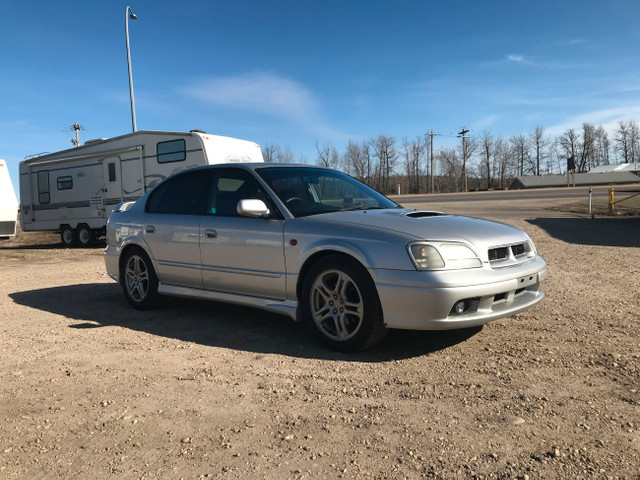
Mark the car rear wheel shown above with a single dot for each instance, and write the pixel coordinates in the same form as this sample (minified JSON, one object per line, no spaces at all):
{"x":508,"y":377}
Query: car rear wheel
{"x":67,"y":236}
{"x":139,"y":280}
{"x":340,"y":304}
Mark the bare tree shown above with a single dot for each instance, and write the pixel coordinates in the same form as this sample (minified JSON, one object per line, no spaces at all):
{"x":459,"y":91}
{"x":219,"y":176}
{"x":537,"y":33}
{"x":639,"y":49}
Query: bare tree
{"x":520,"y":146}
{"x":634,"y":135}
{"x":284,"y":156}
{"x":602,"y":147}
{"x":327,"y":155}
{"x":269,"y":152}
{"x":627,"y":141}
{"x":569,"y":142}
{"x":356,"y":160}
{"x":587,"y":150}
{"x":488,"y":154}
{"x":538,"y":142}
{"x":384,"y":150}
{"x":413,"y":154}
{"x":506,"y":161}
{"x":622,"y":141}
{"x":449,"y":163}
{"x":366,"y":154}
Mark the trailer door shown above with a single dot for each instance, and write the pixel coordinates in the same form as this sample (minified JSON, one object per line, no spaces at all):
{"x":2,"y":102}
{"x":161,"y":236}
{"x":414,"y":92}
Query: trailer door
{"x":112,"y":175}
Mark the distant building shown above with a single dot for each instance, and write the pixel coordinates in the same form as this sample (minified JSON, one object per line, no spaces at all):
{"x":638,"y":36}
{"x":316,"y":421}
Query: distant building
{"x":581,"y":179}
{"x":621,"y":167}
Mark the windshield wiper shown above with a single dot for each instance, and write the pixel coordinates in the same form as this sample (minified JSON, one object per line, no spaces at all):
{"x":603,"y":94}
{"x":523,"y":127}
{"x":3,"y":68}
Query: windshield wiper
{"x":360,"y":206}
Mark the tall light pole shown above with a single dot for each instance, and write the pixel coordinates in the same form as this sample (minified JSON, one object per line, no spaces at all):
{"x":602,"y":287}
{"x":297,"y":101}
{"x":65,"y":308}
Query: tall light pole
{"x":130,"y":15}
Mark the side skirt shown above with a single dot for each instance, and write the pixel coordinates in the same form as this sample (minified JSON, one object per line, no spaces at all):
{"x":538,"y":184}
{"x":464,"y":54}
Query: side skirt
{"x":284,"y":307}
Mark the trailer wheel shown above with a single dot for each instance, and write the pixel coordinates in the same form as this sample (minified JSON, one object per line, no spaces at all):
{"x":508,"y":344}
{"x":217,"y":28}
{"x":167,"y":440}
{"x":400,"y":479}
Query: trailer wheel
{"x":67,"y":236}
{"x":84,"y":235}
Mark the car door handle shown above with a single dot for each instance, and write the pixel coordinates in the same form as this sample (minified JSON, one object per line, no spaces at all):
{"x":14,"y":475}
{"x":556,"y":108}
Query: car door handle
{"x":210,"y":233}
{"x":149,"y":228}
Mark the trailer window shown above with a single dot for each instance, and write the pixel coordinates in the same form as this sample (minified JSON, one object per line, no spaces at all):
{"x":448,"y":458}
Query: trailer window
{"x":65,"y":183}
{"x":43,"y":187}
{"x":172,"y":151}
{"x":112,"y":172}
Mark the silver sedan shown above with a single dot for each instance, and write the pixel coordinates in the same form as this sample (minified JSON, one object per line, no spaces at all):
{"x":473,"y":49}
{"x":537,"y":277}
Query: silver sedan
{"x":320,"y":247}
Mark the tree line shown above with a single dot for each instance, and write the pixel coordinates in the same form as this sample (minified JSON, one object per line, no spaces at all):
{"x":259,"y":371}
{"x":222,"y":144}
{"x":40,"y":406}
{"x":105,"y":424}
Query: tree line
{"x":492,"y":162}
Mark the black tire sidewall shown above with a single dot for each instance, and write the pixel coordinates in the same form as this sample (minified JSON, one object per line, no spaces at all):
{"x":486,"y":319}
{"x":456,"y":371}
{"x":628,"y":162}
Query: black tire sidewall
{"x":152,"y":297}
{"x":79,"y":230}
{"x":72,"y":243}
{"x":370,"y":330}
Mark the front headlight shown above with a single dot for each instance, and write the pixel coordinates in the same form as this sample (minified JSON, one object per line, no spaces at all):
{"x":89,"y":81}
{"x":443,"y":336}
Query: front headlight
{"x":443,"y":256}
{"x":533,"y":246}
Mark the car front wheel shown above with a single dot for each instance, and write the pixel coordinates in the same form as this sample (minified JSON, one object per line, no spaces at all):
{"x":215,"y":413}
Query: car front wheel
{"x":340,"y":304}
{"x":139,"y":280}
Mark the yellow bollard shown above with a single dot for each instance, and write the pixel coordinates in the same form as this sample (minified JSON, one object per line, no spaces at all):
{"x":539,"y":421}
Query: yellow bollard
{"x":612,"y":206}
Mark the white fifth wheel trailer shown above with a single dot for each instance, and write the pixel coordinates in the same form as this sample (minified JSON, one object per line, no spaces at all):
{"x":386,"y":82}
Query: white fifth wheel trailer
{"x":73,"y":191}
{"x":8,"y":203}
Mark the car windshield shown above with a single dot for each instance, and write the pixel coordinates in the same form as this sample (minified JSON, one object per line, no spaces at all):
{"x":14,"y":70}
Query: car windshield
{"x":312,"y":191}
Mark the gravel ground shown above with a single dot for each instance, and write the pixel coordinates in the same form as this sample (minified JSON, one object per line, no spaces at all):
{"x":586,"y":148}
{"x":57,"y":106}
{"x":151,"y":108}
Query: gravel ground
{"x":90,"y":388}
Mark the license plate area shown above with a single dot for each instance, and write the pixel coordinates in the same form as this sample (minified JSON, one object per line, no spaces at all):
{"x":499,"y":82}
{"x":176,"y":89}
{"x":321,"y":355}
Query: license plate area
{"x":527,"y":280}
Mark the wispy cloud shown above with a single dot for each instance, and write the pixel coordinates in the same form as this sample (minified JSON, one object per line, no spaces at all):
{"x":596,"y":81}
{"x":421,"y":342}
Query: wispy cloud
{"x":531,"y":62}
{"x":485,"y":122}
{"x":516,"y":58}
{"x":607,"y":118}
{"x":270,"y":94}
{"x":262,"y":92}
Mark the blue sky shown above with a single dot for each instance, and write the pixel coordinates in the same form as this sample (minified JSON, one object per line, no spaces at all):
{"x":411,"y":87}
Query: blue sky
{"x":293,"y":72}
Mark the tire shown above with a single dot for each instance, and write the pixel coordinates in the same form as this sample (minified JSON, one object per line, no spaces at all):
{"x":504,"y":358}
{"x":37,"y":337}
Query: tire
{"x":139,"y":280}
{"x":84,"y":235}
{"x":67,"y":236}
{"x":340,"y":305}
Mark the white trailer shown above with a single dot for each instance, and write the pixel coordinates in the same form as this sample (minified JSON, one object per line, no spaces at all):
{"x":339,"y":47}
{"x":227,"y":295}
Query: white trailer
{"x":73,"y":191}
{"x":8,"y":203}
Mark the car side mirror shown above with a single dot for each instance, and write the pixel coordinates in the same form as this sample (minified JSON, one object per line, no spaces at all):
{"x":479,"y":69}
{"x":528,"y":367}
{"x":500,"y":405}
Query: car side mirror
{"x":252,"y":207}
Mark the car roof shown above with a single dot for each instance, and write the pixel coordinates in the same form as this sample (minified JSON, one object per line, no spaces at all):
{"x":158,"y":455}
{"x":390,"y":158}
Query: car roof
{"x":255,"y":166}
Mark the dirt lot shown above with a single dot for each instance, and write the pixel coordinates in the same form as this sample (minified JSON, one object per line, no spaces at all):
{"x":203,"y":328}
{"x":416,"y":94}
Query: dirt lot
{"x":90,"y":388}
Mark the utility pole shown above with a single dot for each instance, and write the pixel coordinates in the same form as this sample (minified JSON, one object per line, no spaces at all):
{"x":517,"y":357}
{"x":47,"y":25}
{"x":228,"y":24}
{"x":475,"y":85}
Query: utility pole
{"x":431,"y":134}
{"x":464,"y":137}
{"x":77,"y":127}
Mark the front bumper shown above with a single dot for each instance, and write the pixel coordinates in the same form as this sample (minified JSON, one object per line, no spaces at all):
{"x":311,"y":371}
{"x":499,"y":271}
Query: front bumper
{"x":424,"y":300}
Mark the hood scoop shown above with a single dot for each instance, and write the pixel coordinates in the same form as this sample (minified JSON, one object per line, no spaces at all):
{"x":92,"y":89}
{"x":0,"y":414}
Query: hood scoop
{"x":422,"y":214}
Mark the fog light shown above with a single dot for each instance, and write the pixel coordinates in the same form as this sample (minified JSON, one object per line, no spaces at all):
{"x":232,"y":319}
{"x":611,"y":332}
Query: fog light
{"x":460,"y":307}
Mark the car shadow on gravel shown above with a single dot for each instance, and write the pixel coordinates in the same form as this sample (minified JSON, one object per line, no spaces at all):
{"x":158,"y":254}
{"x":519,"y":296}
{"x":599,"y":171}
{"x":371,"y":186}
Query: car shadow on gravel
{"x":97,"y":245}
{"x":613,"y":232}
{"x":221,"y":325}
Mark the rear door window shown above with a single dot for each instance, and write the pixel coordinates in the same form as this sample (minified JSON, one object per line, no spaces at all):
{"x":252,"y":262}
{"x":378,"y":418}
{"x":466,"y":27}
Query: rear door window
{"x":185,"y":194}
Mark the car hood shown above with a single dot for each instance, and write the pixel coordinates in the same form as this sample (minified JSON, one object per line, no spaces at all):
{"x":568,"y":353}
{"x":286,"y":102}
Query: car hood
{"x":432,"y":226}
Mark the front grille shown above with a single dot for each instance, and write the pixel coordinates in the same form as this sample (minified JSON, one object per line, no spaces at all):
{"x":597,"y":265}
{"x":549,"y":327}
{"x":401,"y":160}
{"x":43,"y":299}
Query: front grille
{"x":510,"y":254}
{"x":498,"y":253}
